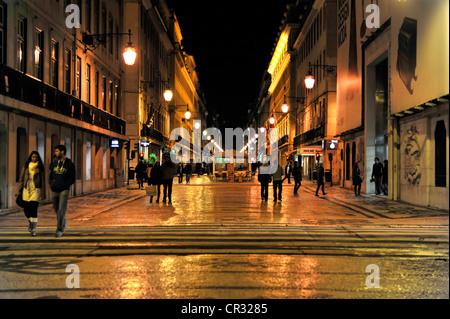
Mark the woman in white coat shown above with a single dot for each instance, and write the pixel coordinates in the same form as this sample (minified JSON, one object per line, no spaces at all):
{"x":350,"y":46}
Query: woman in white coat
{"x":31,"y":185}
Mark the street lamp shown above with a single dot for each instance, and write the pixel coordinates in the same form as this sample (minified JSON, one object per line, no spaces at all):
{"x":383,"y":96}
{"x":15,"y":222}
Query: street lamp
{"x":129,"y":54}
{"x":168,"y":94}
{"x":285,"y":106}
{"x":309,"y":79}
{"x":272,"y":120}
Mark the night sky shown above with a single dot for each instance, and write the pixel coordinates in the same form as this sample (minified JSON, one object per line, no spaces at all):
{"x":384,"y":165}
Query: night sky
{"x":231,"y":42}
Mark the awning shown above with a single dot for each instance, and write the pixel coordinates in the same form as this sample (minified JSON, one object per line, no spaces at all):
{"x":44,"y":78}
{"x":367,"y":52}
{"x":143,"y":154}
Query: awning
{"x":290,"y":152}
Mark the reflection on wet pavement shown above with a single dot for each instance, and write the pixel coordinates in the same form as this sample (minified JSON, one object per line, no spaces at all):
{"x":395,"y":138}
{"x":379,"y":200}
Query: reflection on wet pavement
{"x":234,"y":276}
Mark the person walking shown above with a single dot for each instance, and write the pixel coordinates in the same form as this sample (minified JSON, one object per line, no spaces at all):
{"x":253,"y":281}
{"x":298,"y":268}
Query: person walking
{"x":140,"y":173}
{"x":297,"y":174}
{"x":287,"y":172}
{"x":62,"y":176}
{"x":384,"y":182}
{"x":264,"y":180}
{"x":377,"y":174}
{"x":357,"y":179}
{"x":278,"y":184}
{"x":156,"y":179}
{"x":167,"y":172}
{"x":148,"y":172}
{"x":180,"y":173}
{"x":188,"y":170}
{"x":320,"y":181}
{"x":32,"y":188}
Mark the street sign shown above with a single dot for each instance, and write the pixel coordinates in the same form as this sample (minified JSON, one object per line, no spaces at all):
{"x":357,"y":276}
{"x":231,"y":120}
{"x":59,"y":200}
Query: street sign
{"x":114,"y":143}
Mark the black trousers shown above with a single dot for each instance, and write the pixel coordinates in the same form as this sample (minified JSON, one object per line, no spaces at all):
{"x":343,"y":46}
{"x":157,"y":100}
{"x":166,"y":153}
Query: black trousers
{"x":358,"y":189}
{"x":265,"y":190}
{"x":158,"y":188}
{"x":31,"y":209}
{"x":320,"y":183}
{"x":378,"y":184}
{"x":277,"y":185}
{"x":297,"y":185}
{"x":167,"y":189}
{"x":180,"y":179}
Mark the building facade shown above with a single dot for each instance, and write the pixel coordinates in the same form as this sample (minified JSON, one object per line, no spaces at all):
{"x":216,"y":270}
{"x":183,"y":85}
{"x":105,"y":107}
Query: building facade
{"x":54,"y":89}
{"x":162,"y":64}
{"x":315,"y":49}
{"x":392,"y":90}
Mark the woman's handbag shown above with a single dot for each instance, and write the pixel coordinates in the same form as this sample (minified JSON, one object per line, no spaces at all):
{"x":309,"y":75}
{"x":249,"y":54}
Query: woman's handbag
{"x":19,"y":200}
{"x":151,"y":190}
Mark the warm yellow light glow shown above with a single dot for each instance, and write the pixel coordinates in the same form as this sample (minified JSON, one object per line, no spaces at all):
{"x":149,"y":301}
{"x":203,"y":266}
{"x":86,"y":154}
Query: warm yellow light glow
{"x":272,"y":120}
{"x":204,"y":133}
{"x":37,"y":55}
{"x":187,"y":115}
{"x":168,"y":95}
{"x":197,"y":125}
{"x":282,"y":44}
{"x":129,"y":55}
{"x":309,"y":81}
{"x":285,"y":108}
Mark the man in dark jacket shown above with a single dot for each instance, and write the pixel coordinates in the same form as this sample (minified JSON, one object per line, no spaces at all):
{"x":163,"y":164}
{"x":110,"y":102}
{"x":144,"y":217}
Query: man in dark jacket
{"x":156,"y":179}
{"x":288,"y":172}
{"x":320,"y":181}
{"x":62,"y":176}
{"x":297,"y":174}
{"x":167,"y":170}
{"x":377,"y":174}
{"x":188,"y":171}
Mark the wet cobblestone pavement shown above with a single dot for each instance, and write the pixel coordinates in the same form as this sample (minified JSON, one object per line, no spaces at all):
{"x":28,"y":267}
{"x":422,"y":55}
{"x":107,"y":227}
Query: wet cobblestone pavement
{"x":219,"y":240}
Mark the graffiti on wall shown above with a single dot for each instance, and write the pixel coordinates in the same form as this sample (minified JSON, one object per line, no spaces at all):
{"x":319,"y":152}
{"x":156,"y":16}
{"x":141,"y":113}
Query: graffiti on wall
{"x":413,"y":152}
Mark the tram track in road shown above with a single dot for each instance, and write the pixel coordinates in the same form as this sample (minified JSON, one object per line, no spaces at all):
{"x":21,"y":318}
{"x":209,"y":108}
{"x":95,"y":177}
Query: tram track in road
{"x":422,"y":242}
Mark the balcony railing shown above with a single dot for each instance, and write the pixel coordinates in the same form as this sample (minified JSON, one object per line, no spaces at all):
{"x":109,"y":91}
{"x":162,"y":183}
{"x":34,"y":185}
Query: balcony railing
{"x":309,"y":136}
{"x":154,"y":134}
{"x":284,"y":140}
{"x":22,"y":87}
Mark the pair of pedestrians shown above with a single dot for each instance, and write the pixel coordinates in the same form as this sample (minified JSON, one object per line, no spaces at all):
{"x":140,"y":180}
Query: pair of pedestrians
{"x":162,"y":175}
{"x":278,"y":180}
{"x":31,"y":187}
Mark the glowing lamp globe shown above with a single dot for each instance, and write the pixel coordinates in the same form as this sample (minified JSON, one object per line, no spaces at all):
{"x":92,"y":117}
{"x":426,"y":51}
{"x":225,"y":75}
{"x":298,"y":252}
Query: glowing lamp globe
{"x":129,"y":55}
{"x":309,"y":81}
{"x":168,"y":95}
